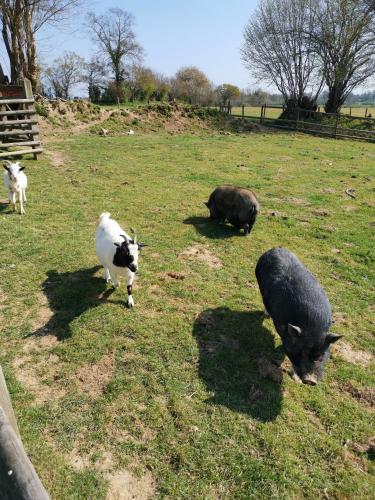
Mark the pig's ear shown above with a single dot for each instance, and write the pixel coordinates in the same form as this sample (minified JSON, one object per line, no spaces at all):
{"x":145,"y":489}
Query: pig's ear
{"x":294,"y":331}
{"x":331,"y":338}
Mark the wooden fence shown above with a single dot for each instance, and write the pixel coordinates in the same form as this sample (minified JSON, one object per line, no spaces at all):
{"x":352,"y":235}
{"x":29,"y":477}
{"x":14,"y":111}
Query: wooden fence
{"x":18,"y":479}
{"x":312,"y":122}
{"x":19,"y":132}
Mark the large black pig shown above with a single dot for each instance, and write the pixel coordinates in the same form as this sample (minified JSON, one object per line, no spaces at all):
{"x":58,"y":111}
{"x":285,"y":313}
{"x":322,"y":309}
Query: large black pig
{"x":237,"y":205}
{"x":300,"y":311}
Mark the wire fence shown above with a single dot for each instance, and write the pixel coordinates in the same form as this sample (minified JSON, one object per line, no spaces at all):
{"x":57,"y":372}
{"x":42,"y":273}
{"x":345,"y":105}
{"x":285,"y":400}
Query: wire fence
{"x":338,"y":125}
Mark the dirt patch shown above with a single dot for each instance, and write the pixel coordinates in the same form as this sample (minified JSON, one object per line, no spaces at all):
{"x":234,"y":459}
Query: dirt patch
{"x":124,"y":485}
{"x":172,"y":275}
{"x":346,"y":351}
{"x":93,"y":378}
{"x":339,"y":318}
{"x":44,"y":314}
{"x":40,"y":378}
{"x":201,"y":254}
{"x":321,"y":212}
{"x":298,"y":201}
{"x":365,"y":448}
{"x":364,"y":395}
{"x":58,"y":158}
{"x":269,"y":370}
{"x":80,"y":462}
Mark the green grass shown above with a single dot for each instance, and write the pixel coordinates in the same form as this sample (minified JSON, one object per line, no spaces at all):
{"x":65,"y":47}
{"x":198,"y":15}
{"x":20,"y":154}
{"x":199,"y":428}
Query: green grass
{"x":174,"y":388}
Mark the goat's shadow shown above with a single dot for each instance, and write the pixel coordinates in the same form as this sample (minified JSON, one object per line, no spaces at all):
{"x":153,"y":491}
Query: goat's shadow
{"x":214,"y":229}
{"x":69,"y":295}
{"x":230,"y":344}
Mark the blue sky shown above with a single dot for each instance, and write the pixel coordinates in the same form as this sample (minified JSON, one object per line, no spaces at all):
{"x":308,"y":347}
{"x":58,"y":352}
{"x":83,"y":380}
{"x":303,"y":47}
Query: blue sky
{"x":204,"y":33}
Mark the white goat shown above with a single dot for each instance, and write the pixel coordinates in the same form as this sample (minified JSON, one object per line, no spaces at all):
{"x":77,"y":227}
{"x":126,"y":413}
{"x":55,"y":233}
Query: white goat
{"x":16,"y":183}
{"x":117,"y":252}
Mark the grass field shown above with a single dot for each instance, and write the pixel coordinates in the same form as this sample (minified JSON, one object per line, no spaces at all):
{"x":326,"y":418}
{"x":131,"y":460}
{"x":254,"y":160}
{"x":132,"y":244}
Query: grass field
{"x":167,"y":398}
{"x":275,"y":113}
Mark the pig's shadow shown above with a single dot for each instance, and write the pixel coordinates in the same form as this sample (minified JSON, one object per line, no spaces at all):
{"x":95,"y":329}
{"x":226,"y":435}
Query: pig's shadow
{"x":213,"y":229}
{"x":230,"y":344}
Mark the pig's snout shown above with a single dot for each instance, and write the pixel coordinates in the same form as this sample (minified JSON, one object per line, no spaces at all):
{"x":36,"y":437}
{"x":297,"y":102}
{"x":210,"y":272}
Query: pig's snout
{"x":310,"y":380}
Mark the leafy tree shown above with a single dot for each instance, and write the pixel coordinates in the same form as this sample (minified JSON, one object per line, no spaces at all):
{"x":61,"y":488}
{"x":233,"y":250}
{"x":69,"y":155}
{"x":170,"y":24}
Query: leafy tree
{"x":192,"y":85}
{"x":227,"y":92}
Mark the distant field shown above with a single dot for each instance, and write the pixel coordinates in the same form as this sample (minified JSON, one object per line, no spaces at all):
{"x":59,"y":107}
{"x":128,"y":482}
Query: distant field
{"x":275,"y":113}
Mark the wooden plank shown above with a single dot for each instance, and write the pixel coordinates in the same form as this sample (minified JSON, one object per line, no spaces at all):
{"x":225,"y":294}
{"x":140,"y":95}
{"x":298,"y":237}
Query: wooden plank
{"x":6,"y":404}
{"x":29,"y":94}
{"x":7,"y":123}
{"x":18,"y":132}
{"x":17,"y":112}
{"x":14,"y":144}
{"x":21,"y":152}
{"x":18,"y":479}
{"x":16,"y":101}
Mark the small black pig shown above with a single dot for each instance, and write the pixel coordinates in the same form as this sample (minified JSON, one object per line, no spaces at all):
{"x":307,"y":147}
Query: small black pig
{"x":300,"y":311}
{"x":237,"y":205}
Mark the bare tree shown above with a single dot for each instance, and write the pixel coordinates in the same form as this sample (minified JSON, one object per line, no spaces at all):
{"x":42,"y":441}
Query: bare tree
{"x":344,"y":37}
{"x":113,"y":32}
{"x":278,"y":49}
{"x":93,"y":74}
{"x":20,"y":20}
{"x":65,"y":72}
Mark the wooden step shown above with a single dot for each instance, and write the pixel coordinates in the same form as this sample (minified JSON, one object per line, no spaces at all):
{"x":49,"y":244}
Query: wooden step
{"x":20,"y":152}
{"x":16,"y":101}
{"x":7,"y":123}
{"x":14,"y":144}
{"x":17,"y":112}
{"x":19,"y":132}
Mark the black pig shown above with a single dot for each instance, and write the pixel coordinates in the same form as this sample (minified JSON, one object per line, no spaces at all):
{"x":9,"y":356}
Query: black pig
{"x":237,"y":205}
{"x":300,"y":311}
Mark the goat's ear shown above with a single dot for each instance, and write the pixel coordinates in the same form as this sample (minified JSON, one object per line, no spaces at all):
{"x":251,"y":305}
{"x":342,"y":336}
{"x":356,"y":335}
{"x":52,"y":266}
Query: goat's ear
{"x":141,"y":245}
{"x":21,"y":168}
{"x":207,"y":204}
{"x":117,"y":245}
{"x":125,"y":238}
{"x":6,"y":164}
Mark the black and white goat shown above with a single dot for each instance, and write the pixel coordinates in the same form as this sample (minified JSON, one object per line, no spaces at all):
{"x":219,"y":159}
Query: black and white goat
{"x":15,"y":181}
{"x":117,"y":252}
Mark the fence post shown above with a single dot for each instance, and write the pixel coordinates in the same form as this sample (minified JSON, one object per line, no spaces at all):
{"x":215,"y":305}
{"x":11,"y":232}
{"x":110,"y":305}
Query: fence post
{"x":243,"y":112}
{"x":350,"y":111}
{"x":261,"y":114}
{"x":336,"y":124}
{"x":118,"y":102}
{"x":297,"y":119}
{"x":366,"y":113}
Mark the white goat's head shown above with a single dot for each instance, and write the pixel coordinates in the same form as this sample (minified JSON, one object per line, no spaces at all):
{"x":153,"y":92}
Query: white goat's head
{"x":13,"y":170}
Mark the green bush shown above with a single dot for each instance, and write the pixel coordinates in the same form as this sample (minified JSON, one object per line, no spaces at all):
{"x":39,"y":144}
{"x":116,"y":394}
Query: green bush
{"x":41,"y":110}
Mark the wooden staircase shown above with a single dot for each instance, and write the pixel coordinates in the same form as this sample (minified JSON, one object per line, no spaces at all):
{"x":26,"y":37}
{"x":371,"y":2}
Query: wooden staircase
{"x":19,"y":132}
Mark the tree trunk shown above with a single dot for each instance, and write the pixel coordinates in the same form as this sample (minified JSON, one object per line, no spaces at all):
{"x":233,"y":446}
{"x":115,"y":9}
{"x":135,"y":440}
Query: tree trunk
{"x":334,"y":100}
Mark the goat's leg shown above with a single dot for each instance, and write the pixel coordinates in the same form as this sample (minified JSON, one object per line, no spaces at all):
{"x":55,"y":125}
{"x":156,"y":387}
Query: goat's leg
{"x":24,"y":195}
{"x":20,"y":196}
{"x":129,"y":286}
{"x":13,"y":200}
{"x":115,"y":281}
{"x":107,"y":276}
